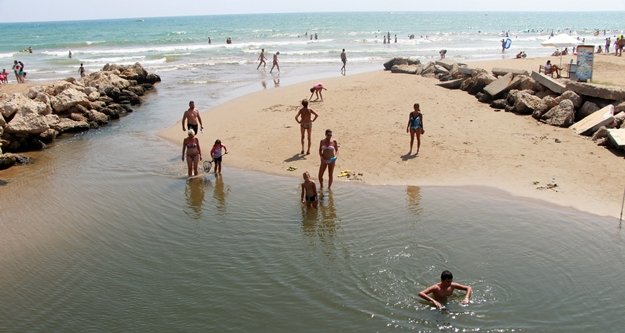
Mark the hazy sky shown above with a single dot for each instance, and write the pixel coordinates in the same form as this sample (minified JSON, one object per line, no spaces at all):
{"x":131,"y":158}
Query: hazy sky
{"x":54,"y":10}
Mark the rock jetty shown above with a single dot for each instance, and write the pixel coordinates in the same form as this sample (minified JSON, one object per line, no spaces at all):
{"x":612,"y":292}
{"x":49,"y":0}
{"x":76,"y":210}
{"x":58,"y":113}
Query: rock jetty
{"x":31,"y":121}
{"x":557,"y":102}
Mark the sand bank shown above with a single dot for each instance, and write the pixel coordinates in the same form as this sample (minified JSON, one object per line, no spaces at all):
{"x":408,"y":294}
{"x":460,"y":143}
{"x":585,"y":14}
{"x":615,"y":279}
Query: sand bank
{"x":465,"y":142}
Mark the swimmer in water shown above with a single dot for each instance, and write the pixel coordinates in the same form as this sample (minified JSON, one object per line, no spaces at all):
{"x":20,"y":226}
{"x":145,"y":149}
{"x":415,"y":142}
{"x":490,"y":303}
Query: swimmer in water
{"x":444,"y":289}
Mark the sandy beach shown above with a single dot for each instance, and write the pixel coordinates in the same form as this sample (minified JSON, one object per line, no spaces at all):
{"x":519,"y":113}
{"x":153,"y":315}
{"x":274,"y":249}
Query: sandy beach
{"x":465,"y":142}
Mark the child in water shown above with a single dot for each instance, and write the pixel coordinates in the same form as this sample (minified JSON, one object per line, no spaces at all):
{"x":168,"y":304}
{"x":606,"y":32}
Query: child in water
{"x":216,"y":154}
{"x":309,"y":192}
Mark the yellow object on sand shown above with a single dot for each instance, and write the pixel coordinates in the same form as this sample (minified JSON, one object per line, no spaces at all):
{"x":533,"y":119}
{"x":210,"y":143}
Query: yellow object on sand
{"x":291,"y":168}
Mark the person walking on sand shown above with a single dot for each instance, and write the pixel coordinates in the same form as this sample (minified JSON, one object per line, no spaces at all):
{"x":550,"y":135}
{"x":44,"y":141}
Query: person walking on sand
{"x":344,"y":61}
{"x":275,"y":62}
{"x":191,"y":149}
{"x":81,"y":71}
{"x":217,"y":153}
{"x":415,"y":127}
{"x":328,"y":150}
{"x":442,"y":290}
{"x":305,"y":122}
{"x":317,"y":89}
{"x":309,"y":192}
{"x":192,"y":117}
{"x":262,"y":59}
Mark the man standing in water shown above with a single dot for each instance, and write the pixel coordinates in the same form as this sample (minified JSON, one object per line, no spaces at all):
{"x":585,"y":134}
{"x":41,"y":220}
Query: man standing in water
{"x":303,"y":117}
{"x":192,"y":116}
{"x":275,"y":62}
{"x":444,"y":289}
{"x":344,"y":60}
{"x":261,"y":59}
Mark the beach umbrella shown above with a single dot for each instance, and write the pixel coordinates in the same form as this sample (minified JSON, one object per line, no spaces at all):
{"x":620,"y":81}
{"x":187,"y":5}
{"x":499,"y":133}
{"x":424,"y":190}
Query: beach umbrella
{"x":561,"y":41}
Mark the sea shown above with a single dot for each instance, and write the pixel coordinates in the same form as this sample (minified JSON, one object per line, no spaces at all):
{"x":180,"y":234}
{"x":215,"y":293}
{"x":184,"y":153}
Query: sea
{"x":104,"y":233}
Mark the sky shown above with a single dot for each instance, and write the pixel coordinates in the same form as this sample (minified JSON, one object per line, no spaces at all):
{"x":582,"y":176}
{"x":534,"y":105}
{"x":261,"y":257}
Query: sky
{"x":64,"y":10}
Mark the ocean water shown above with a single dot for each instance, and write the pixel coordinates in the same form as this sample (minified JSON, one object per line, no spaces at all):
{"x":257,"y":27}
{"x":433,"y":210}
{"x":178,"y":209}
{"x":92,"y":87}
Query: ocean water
{"x":103,"y":233}
{"x":181,"y":43}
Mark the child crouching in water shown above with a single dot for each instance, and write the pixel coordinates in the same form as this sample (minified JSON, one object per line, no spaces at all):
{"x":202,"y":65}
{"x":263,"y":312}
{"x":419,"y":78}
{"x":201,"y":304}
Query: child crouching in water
{"x":216,"y":154}
{"x":309,"y":192}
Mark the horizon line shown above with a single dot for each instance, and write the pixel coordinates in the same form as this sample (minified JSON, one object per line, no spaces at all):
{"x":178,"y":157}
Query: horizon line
{"x":320,"y":12}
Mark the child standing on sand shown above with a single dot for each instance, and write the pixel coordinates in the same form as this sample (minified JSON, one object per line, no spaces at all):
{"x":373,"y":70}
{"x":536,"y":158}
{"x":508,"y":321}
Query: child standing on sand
{"x":216,"y":153}
{"x":309,"y":192}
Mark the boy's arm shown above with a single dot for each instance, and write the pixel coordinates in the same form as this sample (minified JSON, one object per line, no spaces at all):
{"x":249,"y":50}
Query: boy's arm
{"x":424,"y":294}
{"x":468,"y":289}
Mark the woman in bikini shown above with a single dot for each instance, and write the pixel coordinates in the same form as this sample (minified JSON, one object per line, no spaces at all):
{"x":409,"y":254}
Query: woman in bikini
{"x":415,"y":127}
{"x":328,"y":149}
{"x":191,"y":146}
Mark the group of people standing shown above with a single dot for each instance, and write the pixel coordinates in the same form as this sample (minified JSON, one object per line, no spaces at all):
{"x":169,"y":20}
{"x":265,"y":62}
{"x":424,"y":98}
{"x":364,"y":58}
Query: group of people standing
{"x":191,"y":149}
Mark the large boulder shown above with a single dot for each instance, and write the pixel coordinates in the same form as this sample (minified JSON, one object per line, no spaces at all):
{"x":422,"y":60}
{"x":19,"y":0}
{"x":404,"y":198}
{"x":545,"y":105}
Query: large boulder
{"x":27,"y":121}
{"x":477,"y":82}
{"x":562,"y":115}
{"x":527,"y":103}
{"x":550,"y":101}
{"x":405,"y":69}
{"x":620,"y":107}
{"x":7,"y":161}
{"x":397,"y":61}
{"x":587,"y":109}
{"x":19,"y":103}
{"x":63,"y":125}
{"x":572,"y":96}
{"x":68,"y":99}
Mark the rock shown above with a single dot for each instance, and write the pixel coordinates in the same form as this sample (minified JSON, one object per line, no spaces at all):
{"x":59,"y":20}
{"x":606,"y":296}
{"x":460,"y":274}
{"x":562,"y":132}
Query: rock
{"x":572,"y":96}
{"x":619,"y":118}
{"x":77,"y":117}
{"x":620,"y":107}
{"x":403,"y":69}
{"x":504,"y":71}
{"x":27,"y":123}
{"x":387,"y":65}
{"x":477,"y":82}
{"x":57,"y":87}
{"x":499,"y":104}
{"x":428,"y":69}
{"x":595,"y":90}
{"x":601,"y":133}
{"x":448,"y":64}
{"x":587,"y":109}
{"x":111,"y":113}
{"x":65,"y":125}
{"x":112,"y":92}
{"x":602,"y":142}
{"x":550,"y":101}
{"x":97,"y":117}
{"x":440,"y":70}
{"x":562,"y":115}
{"x":527,"y":83}
{"x":68,"y":99}
{"x":19,"y":103}
{"x":48,"y":135}
{"x":499,"y":86}
{"x":484,"y":98}
{"x":152,"y":79}
{"x":452,"y":84}
{"x":138,"y":90}
{"x":7,"y":161}
{"x":96,"y":105}
{"x":528,"y":104}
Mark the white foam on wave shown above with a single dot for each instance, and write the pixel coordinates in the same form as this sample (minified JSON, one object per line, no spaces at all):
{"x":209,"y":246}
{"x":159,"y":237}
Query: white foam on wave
{"x":112,"y":59}
{"x":7,"y":55}
{"x":91,"y":42}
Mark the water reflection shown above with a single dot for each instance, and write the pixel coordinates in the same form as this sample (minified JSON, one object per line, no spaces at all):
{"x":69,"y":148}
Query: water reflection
{"x":220,"y":192}
{"x":320,"y":222}
{"x":194,"y":193}
{"x":414,"y":198}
